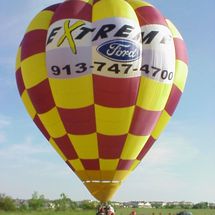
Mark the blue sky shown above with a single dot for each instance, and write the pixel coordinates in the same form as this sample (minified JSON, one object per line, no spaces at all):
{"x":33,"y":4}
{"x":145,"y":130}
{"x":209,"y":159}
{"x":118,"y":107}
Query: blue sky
{"x":180,"y":166}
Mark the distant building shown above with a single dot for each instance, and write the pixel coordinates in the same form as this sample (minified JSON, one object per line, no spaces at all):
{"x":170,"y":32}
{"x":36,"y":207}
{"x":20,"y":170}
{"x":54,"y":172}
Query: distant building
{"x":137,"y":204}
{"x":147,"y":205}
{"x":211,"y":205}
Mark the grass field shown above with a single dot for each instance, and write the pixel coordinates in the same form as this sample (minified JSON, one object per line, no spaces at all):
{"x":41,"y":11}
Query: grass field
{"x":118,"y":212}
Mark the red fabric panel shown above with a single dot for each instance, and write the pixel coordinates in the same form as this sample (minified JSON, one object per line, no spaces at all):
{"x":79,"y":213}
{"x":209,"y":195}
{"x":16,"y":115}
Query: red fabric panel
{"x":124,"y":164}
{"x":79,"y":121}
{"x":150,"y":15}
{"x":173,"y":100}
{"x":20,"y":82}
{"x":181,"y":50}
{"x":90,"y":164}
{"x":41,"y":97}
{"x":73,"y":9}
{"x":146,"y":148}
{"x":52,"y":7}
{"x":115,"y":92}
{"x":34,"y":42}
{"x":39,"y":124}
{"x":110,"y":147}
{"x":66,"y":147}
{"x":143,"y":121}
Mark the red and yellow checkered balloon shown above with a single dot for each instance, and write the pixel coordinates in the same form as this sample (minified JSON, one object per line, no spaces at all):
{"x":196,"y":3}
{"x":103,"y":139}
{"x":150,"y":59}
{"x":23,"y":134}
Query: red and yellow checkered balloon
{"x":101,"y":79}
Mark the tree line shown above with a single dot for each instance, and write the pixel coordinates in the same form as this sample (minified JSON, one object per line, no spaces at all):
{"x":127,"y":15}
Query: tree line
{"x":38,"y":203}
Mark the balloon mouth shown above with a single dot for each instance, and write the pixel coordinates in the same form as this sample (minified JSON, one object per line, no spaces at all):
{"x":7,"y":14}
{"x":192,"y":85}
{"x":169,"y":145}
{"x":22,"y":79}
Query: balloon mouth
{"x":102,"y":190}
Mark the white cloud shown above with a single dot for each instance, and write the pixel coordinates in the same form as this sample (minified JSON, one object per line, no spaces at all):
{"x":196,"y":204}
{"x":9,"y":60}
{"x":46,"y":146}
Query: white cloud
{"x":25,"y":150}
{"x":4,"y":121}
{"x":172,"y":150}
{"x":2,"y":137}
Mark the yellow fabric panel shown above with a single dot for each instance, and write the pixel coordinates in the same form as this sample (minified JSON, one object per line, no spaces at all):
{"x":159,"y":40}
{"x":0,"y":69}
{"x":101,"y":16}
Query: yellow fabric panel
{"x":97,"y":190}
{"x":121,"y":175}
{"x":18,"y":58}
{"x":107,"y":9}
{"x":82,"y":175}
{"x":28,"y":104}
{"x":107,"y":175}
{"x":138,"y":3}
{"x":108,"y":164}
{"x":76,"y":164}
{"x":86,"y":146}
{"x":57,"y":149}
{"x":133,"y":146}
{"x":181,"y":71}
{"x":41,"y":21}
{"x":72,"y":93}
{"x":134,"y":165}
{"x":113,"y":121}
{"x":173,"y":29}
{"x":161,"y":124}
{"x":34,"y":70}
{"x":93,"y":175}
{"x":53,"y":124}
{"x":152,"y":94}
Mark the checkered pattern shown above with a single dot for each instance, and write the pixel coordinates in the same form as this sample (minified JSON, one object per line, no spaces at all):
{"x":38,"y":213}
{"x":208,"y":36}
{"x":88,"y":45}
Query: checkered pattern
{"x":102,"y":127}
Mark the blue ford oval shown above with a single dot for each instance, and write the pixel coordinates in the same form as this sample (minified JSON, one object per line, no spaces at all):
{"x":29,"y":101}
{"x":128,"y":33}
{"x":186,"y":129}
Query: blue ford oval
{"x":120,"y":50}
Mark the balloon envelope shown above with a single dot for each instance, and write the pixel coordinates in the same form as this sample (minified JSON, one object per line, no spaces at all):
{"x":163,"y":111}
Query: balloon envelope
{"x":101,"y":79}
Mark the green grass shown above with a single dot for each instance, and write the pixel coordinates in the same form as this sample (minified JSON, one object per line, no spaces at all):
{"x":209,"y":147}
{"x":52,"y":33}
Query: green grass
{"x":122,"y":211}
{"x":163,"y":212}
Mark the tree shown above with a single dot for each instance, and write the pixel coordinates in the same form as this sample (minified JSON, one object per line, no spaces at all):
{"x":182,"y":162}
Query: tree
{"x":64,"y":203}
{"x":185,"y":206}
{"x":7,"y":203}
{"x":156,"y":204}
{"x":88,"y":204}
{"x":73,"y":205}
{"x":36,"y":202}
{"x":61,"y":204}
{"x":201,"y":205}
{"x":170,"y":206}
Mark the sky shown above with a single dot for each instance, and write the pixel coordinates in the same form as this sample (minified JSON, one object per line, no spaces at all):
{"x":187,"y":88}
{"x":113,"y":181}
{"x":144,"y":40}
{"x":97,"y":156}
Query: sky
{"x":180,"y":165}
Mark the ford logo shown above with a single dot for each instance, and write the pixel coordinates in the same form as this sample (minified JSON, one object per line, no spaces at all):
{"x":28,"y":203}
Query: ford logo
{"x":120,"y":50}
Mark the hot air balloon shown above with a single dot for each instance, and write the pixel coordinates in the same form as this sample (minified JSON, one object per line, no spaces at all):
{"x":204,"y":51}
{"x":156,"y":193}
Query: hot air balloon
{"x":101,"y":79}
